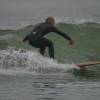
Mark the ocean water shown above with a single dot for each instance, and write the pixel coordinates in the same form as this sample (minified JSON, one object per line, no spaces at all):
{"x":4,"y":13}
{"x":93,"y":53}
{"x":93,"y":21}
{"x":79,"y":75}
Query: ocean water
{"x":26,"y":75}
{"x":18,"y":13}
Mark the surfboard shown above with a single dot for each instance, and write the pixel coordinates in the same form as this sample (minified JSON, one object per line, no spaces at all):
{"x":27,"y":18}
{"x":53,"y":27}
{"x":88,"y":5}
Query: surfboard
{"x":86,"y":64}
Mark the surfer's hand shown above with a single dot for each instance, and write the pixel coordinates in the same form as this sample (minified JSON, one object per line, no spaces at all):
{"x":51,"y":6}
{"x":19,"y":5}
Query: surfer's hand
{"x":71,"y":42}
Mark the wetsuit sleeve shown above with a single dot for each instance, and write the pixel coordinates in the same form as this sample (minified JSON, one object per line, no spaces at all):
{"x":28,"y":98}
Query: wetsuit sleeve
{"x":61,"y":33}
{"x":26,"y":38}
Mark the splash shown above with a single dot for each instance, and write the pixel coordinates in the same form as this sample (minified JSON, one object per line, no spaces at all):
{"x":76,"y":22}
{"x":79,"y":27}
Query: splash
{"x":13,"y":59}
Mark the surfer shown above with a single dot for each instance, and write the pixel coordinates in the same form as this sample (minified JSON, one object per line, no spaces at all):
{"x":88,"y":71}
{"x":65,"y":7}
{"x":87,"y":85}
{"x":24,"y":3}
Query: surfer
{"x":36,"y":37}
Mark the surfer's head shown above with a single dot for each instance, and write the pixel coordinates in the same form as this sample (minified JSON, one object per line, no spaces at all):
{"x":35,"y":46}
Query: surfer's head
{"x":50,"y":20}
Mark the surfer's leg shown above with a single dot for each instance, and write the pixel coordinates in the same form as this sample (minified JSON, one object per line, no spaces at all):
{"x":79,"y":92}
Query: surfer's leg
{"x":38,"y":45}
{"x":51,"y":49}
{"x":46,"y":43}
{"x":43,"y":43}
{"x":42,"y":50}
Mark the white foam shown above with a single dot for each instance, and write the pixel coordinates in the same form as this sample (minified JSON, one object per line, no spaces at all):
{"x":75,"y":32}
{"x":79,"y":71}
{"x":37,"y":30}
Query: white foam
{"x":74,"y":21}
{"x":29,"y":61}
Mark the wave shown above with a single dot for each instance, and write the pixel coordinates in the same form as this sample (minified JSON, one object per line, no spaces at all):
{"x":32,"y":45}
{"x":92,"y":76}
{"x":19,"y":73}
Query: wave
{"x":81,"y":22}
{"x":58,"y":20}
{"x":16,"y":61}
{"x":20,"y":60}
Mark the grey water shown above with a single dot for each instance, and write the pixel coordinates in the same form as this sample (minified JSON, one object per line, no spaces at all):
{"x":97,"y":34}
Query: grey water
{"x":47,"y":87}
{"x":18,"y":13}
{"x":27,"y":75}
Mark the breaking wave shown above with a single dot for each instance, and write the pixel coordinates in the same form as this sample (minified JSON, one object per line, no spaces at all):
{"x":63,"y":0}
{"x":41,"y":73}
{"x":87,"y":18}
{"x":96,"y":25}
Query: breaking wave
{"x":20,"y":60}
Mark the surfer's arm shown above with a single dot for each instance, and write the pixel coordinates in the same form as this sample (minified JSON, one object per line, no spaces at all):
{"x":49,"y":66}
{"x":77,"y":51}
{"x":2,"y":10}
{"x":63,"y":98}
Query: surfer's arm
{"x":26,"y":38}
{"x":64,"y":35}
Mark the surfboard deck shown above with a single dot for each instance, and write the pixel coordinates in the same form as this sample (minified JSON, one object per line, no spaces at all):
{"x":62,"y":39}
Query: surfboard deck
{"x":86,"y":64}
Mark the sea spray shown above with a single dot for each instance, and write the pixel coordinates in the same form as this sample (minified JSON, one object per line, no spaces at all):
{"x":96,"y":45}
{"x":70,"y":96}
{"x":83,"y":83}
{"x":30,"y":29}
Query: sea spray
{"x":23,"y":60}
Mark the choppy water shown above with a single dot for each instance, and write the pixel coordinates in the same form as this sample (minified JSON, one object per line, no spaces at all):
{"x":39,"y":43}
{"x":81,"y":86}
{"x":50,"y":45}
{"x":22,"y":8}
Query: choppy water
{"x":47,"y":87}
{"x":26,"y":75}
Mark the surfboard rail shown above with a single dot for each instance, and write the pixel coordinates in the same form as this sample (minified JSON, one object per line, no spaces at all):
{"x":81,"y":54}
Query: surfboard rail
{"x":86,"y":64}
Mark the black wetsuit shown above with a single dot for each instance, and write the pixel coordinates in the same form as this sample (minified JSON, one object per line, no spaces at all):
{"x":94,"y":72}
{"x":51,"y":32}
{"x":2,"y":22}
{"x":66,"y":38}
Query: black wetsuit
{"x":37,"y":40}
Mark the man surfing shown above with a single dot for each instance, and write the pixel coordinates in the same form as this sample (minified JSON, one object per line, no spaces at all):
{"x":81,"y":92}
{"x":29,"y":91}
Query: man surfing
{"x":36,"y":37}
